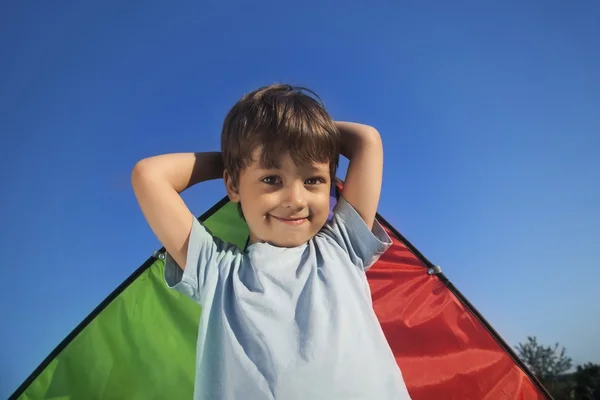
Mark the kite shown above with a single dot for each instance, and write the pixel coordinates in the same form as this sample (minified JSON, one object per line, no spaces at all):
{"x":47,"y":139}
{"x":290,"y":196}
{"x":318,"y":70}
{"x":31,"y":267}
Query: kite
{"x":140,"y":342}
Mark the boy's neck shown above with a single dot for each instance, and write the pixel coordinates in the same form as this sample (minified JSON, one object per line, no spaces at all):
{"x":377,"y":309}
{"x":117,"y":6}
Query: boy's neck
{"x":250,"y":241}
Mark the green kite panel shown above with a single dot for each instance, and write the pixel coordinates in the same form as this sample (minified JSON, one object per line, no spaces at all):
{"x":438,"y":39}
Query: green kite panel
{"x":142,"y":345}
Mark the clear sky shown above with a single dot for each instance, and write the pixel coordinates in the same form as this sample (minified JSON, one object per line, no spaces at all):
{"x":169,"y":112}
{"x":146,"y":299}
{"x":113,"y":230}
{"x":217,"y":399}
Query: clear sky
{"x":490,"y":116}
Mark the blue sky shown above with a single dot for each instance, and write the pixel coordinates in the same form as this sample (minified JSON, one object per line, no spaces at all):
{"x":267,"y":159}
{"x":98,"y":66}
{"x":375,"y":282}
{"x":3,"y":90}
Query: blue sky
{"x":489,"y":116}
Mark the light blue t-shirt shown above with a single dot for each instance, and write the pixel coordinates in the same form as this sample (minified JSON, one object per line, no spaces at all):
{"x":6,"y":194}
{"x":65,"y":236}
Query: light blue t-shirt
{"x":289,"y":323}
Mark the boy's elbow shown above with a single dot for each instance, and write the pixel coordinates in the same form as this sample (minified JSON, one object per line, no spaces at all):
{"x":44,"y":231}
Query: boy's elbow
{"x":141,"y":171}
{"x":374,"y":137}
{"x":137,"y":172}
{"x":371,"y":140}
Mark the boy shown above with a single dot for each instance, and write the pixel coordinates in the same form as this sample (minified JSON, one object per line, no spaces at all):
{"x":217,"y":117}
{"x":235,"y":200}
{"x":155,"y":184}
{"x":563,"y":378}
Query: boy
{"x":290,"y":316}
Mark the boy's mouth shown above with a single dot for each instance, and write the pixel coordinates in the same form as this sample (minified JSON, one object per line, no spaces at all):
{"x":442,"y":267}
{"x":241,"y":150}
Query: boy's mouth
{"x":291,"y":221}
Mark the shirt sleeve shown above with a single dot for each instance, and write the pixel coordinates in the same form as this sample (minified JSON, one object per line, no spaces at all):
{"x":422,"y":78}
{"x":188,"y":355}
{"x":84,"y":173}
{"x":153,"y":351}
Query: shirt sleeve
{"x":206,"y":256}
{"x":349,"y":230}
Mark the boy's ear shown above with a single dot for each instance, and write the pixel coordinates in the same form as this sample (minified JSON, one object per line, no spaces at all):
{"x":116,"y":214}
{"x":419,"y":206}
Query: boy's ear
{"x":232,"y":190}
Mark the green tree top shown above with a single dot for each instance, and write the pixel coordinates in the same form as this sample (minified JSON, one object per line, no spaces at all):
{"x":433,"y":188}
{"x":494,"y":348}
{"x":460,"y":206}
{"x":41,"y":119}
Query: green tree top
{"x":546,"y":362}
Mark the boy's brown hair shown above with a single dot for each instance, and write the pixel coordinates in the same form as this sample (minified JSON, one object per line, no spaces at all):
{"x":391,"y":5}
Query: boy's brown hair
{"x":279,"y":118}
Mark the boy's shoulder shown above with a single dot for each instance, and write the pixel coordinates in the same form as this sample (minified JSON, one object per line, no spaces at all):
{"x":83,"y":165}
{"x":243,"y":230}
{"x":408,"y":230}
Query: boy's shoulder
{"x":348,"y":232}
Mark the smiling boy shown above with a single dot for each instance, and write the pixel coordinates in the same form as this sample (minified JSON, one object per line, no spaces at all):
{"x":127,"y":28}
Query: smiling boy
{"x":289,"y":316}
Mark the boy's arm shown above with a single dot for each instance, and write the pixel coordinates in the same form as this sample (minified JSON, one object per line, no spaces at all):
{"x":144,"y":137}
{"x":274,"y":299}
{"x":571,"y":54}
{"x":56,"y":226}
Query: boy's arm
{"x":362,"y":145}
{"x":157,"y":182}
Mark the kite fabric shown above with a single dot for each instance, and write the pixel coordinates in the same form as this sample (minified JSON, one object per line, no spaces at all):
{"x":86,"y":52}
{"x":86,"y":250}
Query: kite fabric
{"x":140,"y":343}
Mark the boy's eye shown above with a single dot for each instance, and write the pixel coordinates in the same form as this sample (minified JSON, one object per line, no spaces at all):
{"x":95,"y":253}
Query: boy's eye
{"x":314,"y":181}
{"x":270,"y":180}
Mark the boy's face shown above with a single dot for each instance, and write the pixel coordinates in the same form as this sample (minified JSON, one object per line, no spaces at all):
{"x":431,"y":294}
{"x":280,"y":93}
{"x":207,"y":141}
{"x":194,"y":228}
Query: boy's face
{"x":284,"y":206}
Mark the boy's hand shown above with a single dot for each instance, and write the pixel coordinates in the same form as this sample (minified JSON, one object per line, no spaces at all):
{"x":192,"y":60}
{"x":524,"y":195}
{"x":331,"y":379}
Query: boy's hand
{"x":157,"y":182}
{"x":362,"y":145}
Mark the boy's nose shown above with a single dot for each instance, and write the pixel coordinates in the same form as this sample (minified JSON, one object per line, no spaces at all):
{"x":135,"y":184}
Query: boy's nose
{"x":294,"y":197}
